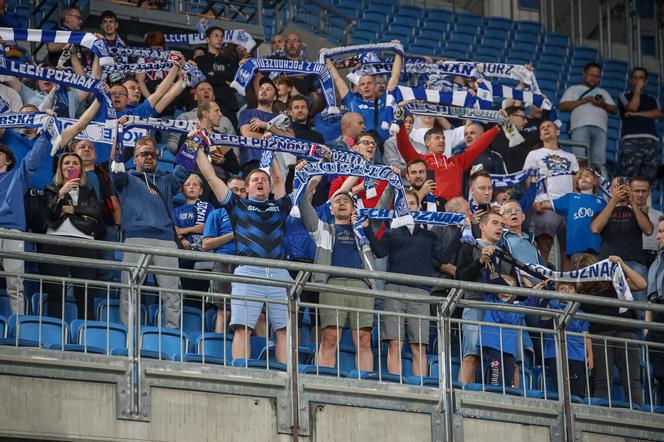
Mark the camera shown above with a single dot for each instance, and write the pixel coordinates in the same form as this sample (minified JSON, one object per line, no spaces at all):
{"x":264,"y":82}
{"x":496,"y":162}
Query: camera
{"x":623,"y":181}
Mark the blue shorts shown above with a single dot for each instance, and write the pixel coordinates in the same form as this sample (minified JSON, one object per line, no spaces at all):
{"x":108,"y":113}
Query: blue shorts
{"x":246,"y":313}
{"x":471,"y":332}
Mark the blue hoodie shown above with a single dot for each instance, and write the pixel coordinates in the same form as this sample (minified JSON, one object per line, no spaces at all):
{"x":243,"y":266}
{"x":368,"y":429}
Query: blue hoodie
{"x":144,"y":214}
{"x":14,"y":183}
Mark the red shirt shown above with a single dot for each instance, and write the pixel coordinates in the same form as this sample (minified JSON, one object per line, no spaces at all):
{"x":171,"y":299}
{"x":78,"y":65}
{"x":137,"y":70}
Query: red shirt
{"x":448,"y":171}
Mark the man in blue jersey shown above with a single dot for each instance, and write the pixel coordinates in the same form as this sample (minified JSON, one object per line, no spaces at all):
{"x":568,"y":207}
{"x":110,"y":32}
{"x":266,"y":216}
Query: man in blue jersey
{"x":258,"y":225}
{"x":367,"y":101}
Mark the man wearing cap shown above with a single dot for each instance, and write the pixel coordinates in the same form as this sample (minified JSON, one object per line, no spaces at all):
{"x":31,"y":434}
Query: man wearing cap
{"x":255,"y":122}
{"x":338,"y":244}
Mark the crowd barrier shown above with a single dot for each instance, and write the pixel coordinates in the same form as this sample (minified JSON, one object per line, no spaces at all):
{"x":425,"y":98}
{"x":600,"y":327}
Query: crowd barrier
{"x":423,"y":379}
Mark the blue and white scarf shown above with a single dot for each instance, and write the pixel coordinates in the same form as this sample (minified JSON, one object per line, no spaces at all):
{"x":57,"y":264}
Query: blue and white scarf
{"x":512,"y":179}
{"x":149,"y":54}
{"x":604,"y":270}
{"x":487,"y":91}
{"x":439,"y":110}
{"x":372,"y":47}
{"x":87,"y":39}
{"x":65,"y":78}
{"x":365,"y":170}
{"x":247,"y":71}
{"x":435,"y":218}
{"x":478,"y":70}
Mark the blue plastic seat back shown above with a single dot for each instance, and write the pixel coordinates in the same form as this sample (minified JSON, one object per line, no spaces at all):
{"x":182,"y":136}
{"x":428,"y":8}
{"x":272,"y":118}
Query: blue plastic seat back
{"x":164,"y":340}
{"x":45,"y":330}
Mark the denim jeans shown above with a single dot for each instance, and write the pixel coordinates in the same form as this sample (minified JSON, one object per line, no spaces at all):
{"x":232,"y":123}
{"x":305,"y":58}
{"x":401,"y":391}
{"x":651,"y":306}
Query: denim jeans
{"x":596,"y":139}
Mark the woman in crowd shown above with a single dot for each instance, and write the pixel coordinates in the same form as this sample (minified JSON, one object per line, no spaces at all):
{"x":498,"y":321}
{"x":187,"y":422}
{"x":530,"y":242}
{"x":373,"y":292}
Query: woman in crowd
{"x":74,"y":212}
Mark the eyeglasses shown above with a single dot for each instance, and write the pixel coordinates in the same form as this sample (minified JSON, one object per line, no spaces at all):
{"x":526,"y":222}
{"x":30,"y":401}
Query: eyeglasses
{"x":118,"y":94}
{"x":78,"y":17}
{"x":512,"y":211}
{"x":519,"y":115}
{"x":154,"y":155}
{"x":238,"y":189}
{"x":293,"y":40}
{"x":367,"y":142}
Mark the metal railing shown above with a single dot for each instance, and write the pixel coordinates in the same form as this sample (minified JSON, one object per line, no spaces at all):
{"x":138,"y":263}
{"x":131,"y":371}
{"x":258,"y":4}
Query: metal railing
{"x":438,"y":370}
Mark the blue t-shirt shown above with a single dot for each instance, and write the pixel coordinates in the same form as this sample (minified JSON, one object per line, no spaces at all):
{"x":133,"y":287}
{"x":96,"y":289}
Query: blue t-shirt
{"x":511,"y":339}
{"x":190,"y":215}
{"x":367,"y":108}
{"x":245,"y":117}
{"x":20,"y":145}
{"x":329,"y":127}
{"x":579,"y":209}
{"x":219,"y":224}
{"x":345,"y":252}
{"x":576,"y":350}
{"x":258,"y":225}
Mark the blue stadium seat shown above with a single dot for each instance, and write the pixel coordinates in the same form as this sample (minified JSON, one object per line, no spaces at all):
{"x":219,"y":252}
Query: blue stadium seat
{"x":469,"y":19}
{"x":613,"y":84}
{"x":162,"y":343}
{"x":210,"y":319}
{"x":527,"y":56}
{"x":458,"y":46}
{"x":615,"y":65}
{"x":375,"y":16}
{"x":614,"y":404}
{"x":498,"y":23}
{"x":322,"y":371}
{"x":528,"y":26}
{"x":436,"y":25}
{"x":409,"y":11}
{"x":466,"y":29}
{"x":214,"y":348}
{"x":454,"y":53}
{"x":488,"y":55}
{"x":439,"y":15}
{"x":582,"y":52}
{"x":461,"y":37}
{"x":431,"y":43}
{"x":554,"y":39}
{"x":5,"y":306}
{"x":545,"y":74}
{"x":37,"y":330}
{"x":400,"y":29}
{"x":499,"y":34}
{"x":494,"y":389}
{"x":433,"y":34}
{"x":553,"y":52}
{"x":411,"y":22}
{"x":422,"y":49}
{"x":3,"y":327}
{"x":492,"y":43}
{"x":525,"y":46}
{"x":365,"y":36}
{"x":255,"y":363}
{"x":98,"y":337}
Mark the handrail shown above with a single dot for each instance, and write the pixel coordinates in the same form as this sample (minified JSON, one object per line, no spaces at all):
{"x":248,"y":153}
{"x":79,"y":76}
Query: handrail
{"x":317,"y":268}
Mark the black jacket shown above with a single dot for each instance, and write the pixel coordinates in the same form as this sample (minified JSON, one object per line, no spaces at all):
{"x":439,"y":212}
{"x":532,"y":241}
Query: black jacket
{"x":87,"y":213}
{"x":220,"y":72}
{"x":469,"y":269}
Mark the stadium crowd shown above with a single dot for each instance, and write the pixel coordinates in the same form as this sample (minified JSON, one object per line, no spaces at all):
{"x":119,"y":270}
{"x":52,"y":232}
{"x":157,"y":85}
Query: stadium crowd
{"x":227,"y":204}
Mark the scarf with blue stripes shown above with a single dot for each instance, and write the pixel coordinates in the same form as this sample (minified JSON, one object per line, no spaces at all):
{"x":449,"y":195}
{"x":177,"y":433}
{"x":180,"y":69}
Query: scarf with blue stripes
{"x":86,"y":39}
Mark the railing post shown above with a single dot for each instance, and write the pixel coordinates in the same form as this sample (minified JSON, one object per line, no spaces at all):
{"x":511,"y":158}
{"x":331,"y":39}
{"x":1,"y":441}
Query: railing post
{"x":293,"y":305}
{"x":562,"y":367}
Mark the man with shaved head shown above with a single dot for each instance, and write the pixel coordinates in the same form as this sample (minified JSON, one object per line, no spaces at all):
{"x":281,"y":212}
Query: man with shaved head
{"x":337,"y":245}
{"x":352,"y":124}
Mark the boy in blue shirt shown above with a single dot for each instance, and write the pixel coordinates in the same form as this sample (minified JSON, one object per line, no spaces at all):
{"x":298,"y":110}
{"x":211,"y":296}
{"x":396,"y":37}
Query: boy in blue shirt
{"x":189,"y":221}
{"x":501,"y":345}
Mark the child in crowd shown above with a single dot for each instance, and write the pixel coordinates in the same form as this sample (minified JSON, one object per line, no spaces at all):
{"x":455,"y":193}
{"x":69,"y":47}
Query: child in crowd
{"x":501,"y":345}
{"x":189,"y":221}
{"x":579,"y":348}
{"x":579,"y":208}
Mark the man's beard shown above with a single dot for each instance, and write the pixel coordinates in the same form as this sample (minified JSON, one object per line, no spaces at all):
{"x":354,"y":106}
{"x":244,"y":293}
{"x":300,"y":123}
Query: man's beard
{"x":265,"y":102}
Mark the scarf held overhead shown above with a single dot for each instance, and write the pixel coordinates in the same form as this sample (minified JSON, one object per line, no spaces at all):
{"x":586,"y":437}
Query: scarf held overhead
{"x":87,"y":39}
{"x":247,"y":71}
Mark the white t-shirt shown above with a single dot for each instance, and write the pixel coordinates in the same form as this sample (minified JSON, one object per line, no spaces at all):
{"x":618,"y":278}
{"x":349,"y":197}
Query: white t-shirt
{"x":548,"y":162}
{"x":587,"y":114}
{"x":649,"y":241}
{"x":453,"y":137}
